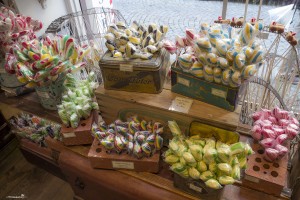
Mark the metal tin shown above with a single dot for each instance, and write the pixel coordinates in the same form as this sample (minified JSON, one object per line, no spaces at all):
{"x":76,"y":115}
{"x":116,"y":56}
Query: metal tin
{"x":135,"y":75}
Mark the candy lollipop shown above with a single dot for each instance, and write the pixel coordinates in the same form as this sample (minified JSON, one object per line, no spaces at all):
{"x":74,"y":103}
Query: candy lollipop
{"x":247,"y":34}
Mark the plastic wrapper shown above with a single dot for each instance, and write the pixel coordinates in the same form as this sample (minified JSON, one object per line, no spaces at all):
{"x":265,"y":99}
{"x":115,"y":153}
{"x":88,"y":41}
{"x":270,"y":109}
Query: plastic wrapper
{"x":201,"y":166}
{"x":178,"y":168}
{"x":212,"y":167}
{"x":189,"y":158}
{"x":224,"y":153}
{"x":224,"y":168}
{"x":226,"y":180}
{"x":236,"y":172}
{"x":194,"y":173}
{"x":282,"y":150}
{"x":196,"y":151}
{"x":210,"y":155}
{"x":267,"y":142}
{"x":206,"y":175}
{"x":212,"y":183}
{"x":271,"y":154}
{"x":237,"y":148}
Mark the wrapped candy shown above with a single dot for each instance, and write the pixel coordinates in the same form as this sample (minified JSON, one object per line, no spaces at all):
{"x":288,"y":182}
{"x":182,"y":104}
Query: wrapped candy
{"x":226,"y":76}
{"x":185,"y":61}
{"x":190,"y":36}
{"x":282,"y":150}
{"x":239,"y":61}
{"x":197,"y":69}
{"x":247,"y":34}
{"x":158,"y":142}
{"x":267,"y":133}
{"x":248,"y":51}
{"x":291,"y":132}
{"x":194,"y":173}
{"x":189,"y":158}
{"x":210,"y":155}
{"x":221,"y":47}
{"x":178,"y":168}
{"x":271,"y":154}
{"x":212,"y":59}
{"x":201,"y":166}
{"x":226,"y":180}
{"x":235,"y":79}
{"x":204,"y":45}
{"x":206,"y":175}
{"x":224,"y":154}
{"x":256,"y":57}
{"x":217,"y":74}
{"x":205,"y":28}
{"x":222,"y":62}
{"x":146,"y":149}
{"x":212,"y":183}
{"x":267,"y":142}
{"x":212,"y":167}
{"x":236,"y":172}
{"x":208,"y":73}
{"x":196,"y":151}
{"x":256,"y":132}
{"x":215,"y":34}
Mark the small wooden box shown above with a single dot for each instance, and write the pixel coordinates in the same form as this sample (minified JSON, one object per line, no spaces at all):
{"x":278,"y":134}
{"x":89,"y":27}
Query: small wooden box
{"x":81,"y":134}
{"x":264,"y":176}
{"x":100,"y":159}
{"x":196,"y":188}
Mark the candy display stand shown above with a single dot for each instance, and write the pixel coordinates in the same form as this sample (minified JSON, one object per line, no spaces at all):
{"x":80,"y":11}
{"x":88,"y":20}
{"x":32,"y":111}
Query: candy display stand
{"x":265,"y":176}
{"x":50,"y":95}
{"x":81,"y":134}
{"x":196,"y":188}
{"x":99,"y":158}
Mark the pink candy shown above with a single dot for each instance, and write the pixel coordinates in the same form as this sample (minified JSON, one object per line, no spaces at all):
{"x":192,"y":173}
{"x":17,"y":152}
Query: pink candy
{"x":267,"y":142}
{"x":257,"y":115}
{"x":295,"y":121}
{"x":256,"y":132}
{"x":291,"y":132}
{"x":170,"y":47}
{"x":281,"y":138}
{"x":283,"y":122}
{"x":272,"y":119}
{"x":180,"y":41}
{"x":281,"y":149}
{"x":271,"y":154}
{"x":268,"y":133}
{"x":278,"y":131}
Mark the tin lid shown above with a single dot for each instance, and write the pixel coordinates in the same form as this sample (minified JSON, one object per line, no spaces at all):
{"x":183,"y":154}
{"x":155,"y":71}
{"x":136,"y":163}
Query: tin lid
{"x":107,"y":61}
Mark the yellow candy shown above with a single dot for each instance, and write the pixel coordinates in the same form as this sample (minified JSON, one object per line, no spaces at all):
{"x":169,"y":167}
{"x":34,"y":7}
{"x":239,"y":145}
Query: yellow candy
{"x":249,"y":71}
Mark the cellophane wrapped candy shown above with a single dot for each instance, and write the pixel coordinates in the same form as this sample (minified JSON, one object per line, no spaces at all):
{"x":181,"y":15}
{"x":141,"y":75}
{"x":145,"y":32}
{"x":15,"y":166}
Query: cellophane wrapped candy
{"x":77,"y":100}
{"x":226,"y":58}
{"x":214,"y":162}
{"x":273,"y":129}
{"x":139,"y":138}
{"x":34,"y":128}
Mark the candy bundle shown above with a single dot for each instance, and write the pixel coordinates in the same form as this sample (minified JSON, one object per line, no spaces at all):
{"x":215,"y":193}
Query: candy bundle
{"x":34,"y":128}
{"x":77,"y":101}
{"x":140,"y":138}
{"x":39,"y":62}
{"x":273,"y":129}
{"x":212,"y":161}
{"x":215,"y":56}
{"x":137,"y":41}
{"x":16,"y":28}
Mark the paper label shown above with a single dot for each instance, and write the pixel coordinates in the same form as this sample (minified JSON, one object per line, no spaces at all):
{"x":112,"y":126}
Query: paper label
{"x":43,"y":94}
{"x":183,"y":81}
{"x":180,"y":104}
{"x":2,"y":71}
{"x":196,"y":188}
{"x":69,"y":135}
{"x":219,"y":93}
{"x":126,"y":67}
{"x":252,"y":179}
{"x":122,"y":165}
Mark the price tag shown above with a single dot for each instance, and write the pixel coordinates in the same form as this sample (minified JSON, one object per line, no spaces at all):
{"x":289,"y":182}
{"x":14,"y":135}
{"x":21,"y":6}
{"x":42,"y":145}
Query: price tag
{"x":126,"y":67}
{"x":183,"y":81}
{"x":2,"y":71}
{"x":180,"y":104}
{"x":122,"y":165}
{"x":219,"y":93}
{"x":43,"y":94}
{"x":69,"y":135}
{"x":196,"y":188}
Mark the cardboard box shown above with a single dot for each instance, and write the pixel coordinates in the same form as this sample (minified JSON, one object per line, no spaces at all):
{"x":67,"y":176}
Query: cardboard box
{"x":99,"y":158}
{"x":212,"y":93}
{"x":135,"y":75}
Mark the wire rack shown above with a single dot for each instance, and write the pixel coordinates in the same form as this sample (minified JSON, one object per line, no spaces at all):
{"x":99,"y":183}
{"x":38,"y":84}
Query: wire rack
{"x":88,"y":27}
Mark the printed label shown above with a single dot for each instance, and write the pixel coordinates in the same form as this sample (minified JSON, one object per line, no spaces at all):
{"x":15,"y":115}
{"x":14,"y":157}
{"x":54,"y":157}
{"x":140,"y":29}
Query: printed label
{"x":196,"y":188}
{"x":252,"y":179}
{"x":126,"y":67}
{"x":2,"y":71}
{"x":219,"y":93}
{"x":122,"y":165}
{"x":183,"y":81}
{"x":69,"y":135}
{"x":43,"y":94}
{"x":180,"y":104}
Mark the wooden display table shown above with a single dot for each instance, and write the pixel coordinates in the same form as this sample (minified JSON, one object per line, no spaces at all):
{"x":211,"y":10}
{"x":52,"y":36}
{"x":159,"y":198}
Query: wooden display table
{"x":90,"y":183}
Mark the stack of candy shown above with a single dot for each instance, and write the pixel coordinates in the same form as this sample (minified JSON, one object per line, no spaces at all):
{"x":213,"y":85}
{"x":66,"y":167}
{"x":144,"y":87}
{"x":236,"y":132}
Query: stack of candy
{"x":135,"y":137}
{"x":16,"y":28}
{"x":214,"y":162}
{"x":40,"y":62}
{"x":137,"y":41}
{"x":216,"y":57}
{"x":274,"y":128}
{"x":34,"y":128}
{"x":77,"y":101}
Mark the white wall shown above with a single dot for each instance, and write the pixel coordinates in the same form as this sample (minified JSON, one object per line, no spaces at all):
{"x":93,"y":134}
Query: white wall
{"x":54,"y":9}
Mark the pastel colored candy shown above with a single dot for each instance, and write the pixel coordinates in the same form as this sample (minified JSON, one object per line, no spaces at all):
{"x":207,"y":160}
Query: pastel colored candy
{"x":202,"y":58}
{"x":221,"y":47}
{"x":185,"y":61}
{"x":208,"y":73}
{"x":247,"y":34}
{"x":146,"y":149}
{"x":212,"y":59}
{"x":179,"y":41}
{"x":239,"y":60}
{"x":235,"y":79}
{"x":197,"y":69}
{"x":259,"y":25}
{"x":235,"y":43}
{"x":204,"y":28}
{"x":158,"y":142}
{"x":256,"y":57}
{"x":222,"y":62}
{"x":190,"y":36}
{"x":226,"y":76}
{"x":170,"y":47}
{"x":215,"y":34}
{"x":248,"y":71}
{"x":217,"y":74}
{"x":204,"y":44}
{"x":151,"y":139}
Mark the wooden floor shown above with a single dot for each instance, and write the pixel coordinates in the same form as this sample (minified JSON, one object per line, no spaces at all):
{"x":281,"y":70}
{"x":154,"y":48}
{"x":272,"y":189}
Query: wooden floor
{"x":17,"y":177}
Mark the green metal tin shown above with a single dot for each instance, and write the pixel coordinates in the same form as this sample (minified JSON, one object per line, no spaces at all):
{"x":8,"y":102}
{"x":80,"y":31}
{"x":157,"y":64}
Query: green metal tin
{"x":212,"y":93}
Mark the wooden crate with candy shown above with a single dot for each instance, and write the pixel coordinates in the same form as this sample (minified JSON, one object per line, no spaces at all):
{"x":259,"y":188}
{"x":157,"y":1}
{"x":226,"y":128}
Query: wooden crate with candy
{"x":133,"y":145}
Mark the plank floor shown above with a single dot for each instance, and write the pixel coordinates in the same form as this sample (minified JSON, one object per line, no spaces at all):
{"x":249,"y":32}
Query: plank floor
{"x":18,"y":177}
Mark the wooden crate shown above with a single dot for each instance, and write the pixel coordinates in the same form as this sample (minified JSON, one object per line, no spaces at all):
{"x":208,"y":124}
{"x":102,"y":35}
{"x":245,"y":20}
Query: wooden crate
{"x":265,"y":176}
{"x":100,"y":159}
{"x":81,"y":134}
